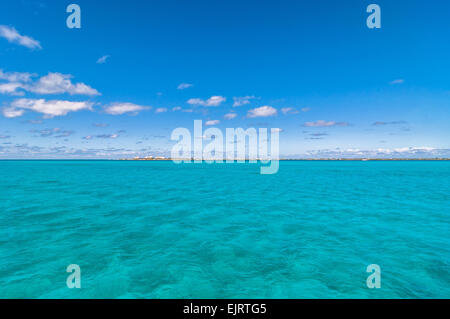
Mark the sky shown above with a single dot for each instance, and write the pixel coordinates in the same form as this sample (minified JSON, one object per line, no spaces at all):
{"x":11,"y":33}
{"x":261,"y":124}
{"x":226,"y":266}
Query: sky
{"x":136,"y":70}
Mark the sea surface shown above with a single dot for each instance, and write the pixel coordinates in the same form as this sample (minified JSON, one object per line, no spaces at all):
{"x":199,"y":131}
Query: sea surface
{"x":161,"y":230}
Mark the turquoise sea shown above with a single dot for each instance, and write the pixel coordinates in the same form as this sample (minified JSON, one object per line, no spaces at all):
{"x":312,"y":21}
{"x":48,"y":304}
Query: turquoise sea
{"x":161,"y":230}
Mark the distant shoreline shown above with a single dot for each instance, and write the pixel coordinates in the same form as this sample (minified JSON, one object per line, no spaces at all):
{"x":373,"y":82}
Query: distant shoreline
{"x":312,"y":159}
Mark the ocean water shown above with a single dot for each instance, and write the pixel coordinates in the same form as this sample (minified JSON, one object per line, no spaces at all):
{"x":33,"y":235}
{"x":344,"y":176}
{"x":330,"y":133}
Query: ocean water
{"x":161,"y":230}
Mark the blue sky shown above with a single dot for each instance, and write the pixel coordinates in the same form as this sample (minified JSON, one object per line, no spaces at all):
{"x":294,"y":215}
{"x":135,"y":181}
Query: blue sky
{"x":311,"y":68}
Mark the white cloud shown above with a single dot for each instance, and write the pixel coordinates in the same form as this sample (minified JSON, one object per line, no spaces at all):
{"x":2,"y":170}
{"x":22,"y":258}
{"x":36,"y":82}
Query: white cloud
{"x":104,"y":136}
{"x":13,"y":36}
{"x":161,"y":110}
{"x":212,"y":122}
{"x":184,"y":86}
{"x":263,"y":111}
{"x":242,"y":100}
{"x":322,"y":123}
{"x":111,"y":136}
{"x":123,"y":108}
{"x":176,"y":108}
{"x":385,"y":153}
{"x":212,"y":101}
{"x":230,"y":116}
{"x":415,"y":149}
{"x":52,"y":83}
{"x":11,"y":112}
{"x":306,"y":109}
{"x":15,"y":82}
{"x":16,"y":76}
{"x":11,"y":88}
{"x":398,"y":81}
{"x":50,"y":108}
{"x":289,"y":110}
{"x":103,"y":59}
{"x":55,"y":132}
{"x":380,"y":123}
{"x":57,"y":83}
